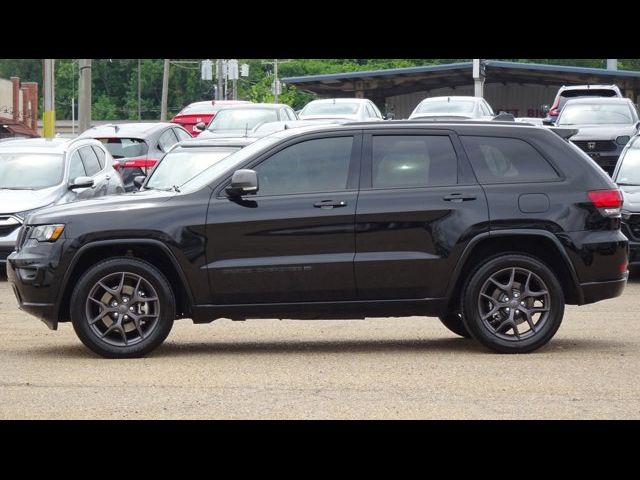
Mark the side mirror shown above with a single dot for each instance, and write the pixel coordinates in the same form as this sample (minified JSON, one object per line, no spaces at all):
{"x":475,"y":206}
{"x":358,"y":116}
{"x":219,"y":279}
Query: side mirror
{"x":243,"y":182}
{"x":138,"y":180}
{"x":200,"y":126}
{"x":638,"y":126}
{"x":389,"y":116}
{"x":81,"y":182}
{"x":545,"y":109}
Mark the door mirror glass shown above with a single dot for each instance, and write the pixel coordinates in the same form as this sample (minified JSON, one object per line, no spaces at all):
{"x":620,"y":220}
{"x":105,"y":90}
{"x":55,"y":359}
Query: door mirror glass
{"x":81,"y":182}
{"x":243,"y":182}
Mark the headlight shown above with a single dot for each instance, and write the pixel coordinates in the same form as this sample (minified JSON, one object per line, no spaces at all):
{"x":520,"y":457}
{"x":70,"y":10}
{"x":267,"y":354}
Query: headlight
{"x":47,"y":233}
{"x":623,"y":140}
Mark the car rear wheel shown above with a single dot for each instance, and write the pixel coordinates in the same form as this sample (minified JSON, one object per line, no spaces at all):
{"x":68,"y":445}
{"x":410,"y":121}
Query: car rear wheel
{"x":453,"y":321}
{"x":513,"y":304}
{"x":122,"y":308}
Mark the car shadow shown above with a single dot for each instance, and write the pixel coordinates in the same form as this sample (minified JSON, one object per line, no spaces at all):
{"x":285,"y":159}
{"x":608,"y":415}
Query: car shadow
{"x":436,"y":345}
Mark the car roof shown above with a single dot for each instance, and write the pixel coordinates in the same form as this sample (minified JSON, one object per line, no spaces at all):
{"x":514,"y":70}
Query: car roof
{"x":217,"y":142}
{"x":597,"y":100}
{"x":44,"y":145}
{"x":589,"y":87}
{"x":340,"y":100}
{"x":255,"y":106}
{"x":123,"y":130}
{"x":454,"y":98}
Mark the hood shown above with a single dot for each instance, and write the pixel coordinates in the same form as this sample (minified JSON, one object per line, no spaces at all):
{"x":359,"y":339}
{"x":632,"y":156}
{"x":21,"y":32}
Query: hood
{"x":15,"y":201}
{"x":631,"y":196}
{"x":601,"y":132}
{"x":108,"y":203}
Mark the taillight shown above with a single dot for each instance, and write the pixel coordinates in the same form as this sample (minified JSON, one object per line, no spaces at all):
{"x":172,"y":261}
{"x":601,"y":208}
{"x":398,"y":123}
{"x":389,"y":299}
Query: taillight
{"x":554,"y":107}
{"x":609,"y":200}
{"x":140,"y":163}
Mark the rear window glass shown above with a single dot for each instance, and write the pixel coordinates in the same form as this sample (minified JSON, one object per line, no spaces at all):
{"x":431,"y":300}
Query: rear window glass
{"x":125,"y":147}
{"x":589,"y":93}
{"x":506,"y":160}
{"x":198,"y":108}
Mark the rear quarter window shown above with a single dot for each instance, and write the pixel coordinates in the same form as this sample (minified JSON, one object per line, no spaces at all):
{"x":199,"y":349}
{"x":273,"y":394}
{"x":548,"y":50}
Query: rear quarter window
{"x":507,"y":160}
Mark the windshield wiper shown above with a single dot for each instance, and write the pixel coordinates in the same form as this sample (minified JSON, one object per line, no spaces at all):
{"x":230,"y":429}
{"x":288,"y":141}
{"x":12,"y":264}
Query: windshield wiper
{"x":15,"y":188}
{"x":629,"y":184}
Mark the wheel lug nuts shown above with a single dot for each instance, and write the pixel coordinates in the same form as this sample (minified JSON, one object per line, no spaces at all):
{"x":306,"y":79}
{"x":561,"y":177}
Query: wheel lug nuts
{"x":131,"y":309}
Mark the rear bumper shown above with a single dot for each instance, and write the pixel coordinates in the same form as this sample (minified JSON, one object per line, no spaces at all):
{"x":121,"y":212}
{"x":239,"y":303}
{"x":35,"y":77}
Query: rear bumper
{"x":596,"y":291}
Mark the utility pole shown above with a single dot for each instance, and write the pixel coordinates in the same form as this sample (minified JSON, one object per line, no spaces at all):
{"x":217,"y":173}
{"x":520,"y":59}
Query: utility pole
{"x":612,"y":64}
{"x":220,"y":75}
{"x":49,"y":114}
{"x":276,"y":81}
{"x":139,"y":102}
{"x":165,"y":91}
{"x":84,"y":95}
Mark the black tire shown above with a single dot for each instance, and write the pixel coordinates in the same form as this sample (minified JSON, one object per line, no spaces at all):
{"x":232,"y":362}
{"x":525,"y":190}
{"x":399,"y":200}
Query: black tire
{"x":453,"y":321}
{"x":108,"y":327}
{"x":513,"y":293}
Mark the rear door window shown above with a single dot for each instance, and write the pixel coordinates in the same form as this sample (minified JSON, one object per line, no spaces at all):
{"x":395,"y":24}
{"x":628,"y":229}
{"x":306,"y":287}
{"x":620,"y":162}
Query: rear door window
{"x":506,"y":160}
{"x":167,"y":140}
{"x":413,"y":161}
{"x":101,"y":156}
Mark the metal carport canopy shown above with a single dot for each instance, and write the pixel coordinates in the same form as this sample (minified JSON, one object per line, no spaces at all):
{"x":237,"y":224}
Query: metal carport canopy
{"x":398,"y":81}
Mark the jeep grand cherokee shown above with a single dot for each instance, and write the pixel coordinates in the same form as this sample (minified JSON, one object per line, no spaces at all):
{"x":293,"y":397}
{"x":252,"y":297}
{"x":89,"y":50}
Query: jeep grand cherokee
{"x":491,"y":226}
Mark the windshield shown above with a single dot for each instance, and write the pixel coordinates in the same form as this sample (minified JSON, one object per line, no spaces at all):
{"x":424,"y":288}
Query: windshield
{"x":445,"y":106}
{"x":125,"y":147}
{"x":178,"y":167}
{"x":30,"y":171}
{"x":209,"y":175}
{"x":629,"y":172}
{"x":599,"y":114}
{"x":241,"y":119}
{"x":197,"y":108}
{"x":323,"y":108}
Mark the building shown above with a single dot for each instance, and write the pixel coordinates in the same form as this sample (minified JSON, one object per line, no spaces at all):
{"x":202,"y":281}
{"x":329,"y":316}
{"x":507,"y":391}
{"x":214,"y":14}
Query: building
{"x":18,"y":108}
{"x":518,"y":88}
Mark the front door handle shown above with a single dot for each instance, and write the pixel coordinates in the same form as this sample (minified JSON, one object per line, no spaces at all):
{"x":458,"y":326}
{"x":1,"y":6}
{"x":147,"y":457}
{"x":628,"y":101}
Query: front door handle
{"x":458,"y":197}
{"x":330,"y":204}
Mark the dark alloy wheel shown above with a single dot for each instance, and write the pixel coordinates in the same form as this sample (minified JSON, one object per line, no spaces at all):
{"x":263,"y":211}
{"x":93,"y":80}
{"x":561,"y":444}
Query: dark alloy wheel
{"x":453,"y":321}
{"x":122,"y":307}
{"x":513,"y":304}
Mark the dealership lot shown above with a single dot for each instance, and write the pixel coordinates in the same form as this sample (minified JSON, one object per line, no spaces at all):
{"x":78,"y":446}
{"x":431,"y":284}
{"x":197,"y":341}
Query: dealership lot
{"x":407,"y":368}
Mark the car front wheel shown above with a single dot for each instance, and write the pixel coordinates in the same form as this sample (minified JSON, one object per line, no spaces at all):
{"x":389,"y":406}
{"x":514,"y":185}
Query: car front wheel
{"x":122,"y":308}
{"x":513,"y":304}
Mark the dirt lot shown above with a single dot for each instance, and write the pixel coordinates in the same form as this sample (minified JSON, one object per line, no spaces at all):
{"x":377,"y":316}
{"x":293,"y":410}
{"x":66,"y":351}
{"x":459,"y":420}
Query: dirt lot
{"x":409,"y":368}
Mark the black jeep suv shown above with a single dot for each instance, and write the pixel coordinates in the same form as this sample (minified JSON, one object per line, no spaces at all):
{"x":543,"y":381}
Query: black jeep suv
{"x":492,"y":226}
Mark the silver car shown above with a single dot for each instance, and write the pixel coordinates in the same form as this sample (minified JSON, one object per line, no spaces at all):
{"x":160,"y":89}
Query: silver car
{"x":453,"y":108}
{"x":352,"y":109}
{"x":36,"y":173}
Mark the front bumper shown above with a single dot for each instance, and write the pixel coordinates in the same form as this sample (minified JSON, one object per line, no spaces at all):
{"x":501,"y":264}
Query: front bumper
{"x":35,"y":278}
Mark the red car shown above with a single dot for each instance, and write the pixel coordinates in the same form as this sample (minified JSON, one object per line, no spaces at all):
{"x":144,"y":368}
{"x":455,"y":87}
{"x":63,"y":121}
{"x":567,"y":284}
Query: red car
{"x":201,"y":112}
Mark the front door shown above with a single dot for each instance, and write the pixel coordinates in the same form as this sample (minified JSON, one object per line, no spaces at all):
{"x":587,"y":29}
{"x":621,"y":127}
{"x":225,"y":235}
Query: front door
{"x":294,"y":240}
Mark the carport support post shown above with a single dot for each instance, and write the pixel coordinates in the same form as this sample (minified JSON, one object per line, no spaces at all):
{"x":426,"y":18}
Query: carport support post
{"x":49,"y":114}
{"x":478,"y":78}
{"x":84,"y":95}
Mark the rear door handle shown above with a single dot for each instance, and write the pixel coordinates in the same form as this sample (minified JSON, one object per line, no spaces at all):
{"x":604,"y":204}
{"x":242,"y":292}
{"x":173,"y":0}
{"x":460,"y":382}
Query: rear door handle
{"x":330,"y":204}
{"x":458,"y":197}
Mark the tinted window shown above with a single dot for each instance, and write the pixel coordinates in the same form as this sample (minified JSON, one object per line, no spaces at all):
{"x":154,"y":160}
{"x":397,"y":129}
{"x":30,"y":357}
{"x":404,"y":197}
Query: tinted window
{"x":91,"y":164}
{"x":413,"y":161}
{"x":101,"y":156}
{"x":76,"y":168}
{"x":181,"y":134}
{"x":167,"y":140}
{"x":125,"y":147}
{"x":506,"y":160}
{"x":320,"y":165}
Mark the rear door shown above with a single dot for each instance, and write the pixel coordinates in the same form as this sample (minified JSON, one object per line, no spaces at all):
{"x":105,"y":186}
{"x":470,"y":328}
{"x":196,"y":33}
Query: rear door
{"x":419,"y":204}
